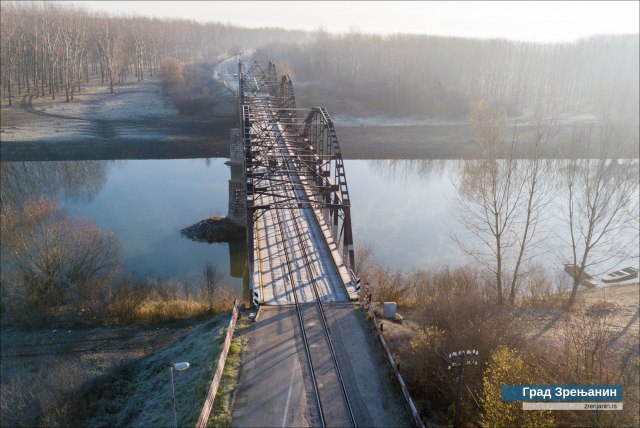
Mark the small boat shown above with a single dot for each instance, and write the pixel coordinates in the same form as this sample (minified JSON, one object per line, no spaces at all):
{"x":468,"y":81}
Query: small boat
{"x":590,"y":283}
{"x":573,"y":271}
{"x":620,"y":275}
{"x":586,"y":279}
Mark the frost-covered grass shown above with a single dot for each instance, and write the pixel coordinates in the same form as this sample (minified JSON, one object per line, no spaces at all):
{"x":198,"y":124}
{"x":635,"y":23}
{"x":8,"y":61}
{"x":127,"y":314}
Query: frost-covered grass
{"x":139,"y":393}
{"x":82,"y":118}
{"x":223,"y":405}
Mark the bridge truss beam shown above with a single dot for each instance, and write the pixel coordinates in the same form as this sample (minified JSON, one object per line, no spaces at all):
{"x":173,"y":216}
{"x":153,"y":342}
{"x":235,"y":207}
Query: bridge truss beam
{"x":288,"y":148}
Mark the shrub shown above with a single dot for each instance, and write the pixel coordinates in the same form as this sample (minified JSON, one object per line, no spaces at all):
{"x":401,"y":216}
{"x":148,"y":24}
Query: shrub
{"x":387,"y":285}
{"x":506,"y":366}
{"x":52,"y":260}
{"x":127,"y":298}
{"x":172,"y":73}
{"x":453,"y":312}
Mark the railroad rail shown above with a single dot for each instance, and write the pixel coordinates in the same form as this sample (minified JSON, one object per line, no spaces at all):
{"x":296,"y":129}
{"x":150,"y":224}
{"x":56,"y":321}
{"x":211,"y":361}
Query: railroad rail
{"x":293,"y":174}
{"x":302,"y":240}
{"x":299,"y":237}
{"x":268,"y":114}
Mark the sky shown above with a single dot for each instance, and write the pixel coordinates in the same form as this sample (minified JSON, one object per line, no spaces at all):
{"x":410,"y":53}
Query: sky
{"x":541,"y":21}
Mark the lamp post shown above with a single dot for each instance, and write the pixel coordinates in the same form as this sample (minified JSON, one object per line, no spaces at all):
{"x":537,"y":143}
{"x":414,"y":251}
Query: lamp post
{"x":179,"y":367}
{"x":460,"y":365}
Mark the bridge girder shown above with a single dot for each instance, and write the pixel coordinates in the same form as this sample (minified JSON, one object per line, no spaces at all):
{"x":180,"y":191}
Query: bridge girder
{"x":269,"y":119}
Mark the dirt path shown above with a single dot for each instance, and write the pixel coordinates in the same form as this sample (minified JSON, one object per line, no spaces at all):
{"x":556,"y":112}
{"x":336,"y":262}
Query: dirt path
{"x":97,"y":344}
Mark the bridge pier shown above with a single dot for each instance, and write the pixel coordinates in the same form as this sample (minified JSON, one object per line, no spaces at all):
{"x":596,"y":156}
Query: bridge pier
{"x":237,"y":212}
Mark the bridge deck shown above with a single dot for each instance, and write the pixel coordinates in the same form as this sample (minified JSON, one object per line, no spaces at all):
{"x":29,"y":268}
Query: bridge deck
{"x":271,"y":274}
{"x":275,"y":230}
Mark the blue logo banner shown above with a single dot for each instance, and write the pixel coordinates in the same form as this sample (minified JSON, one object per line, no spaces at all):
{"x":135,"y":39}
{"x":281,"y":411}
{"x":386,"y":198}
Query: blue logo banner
{"x":561,"y":393}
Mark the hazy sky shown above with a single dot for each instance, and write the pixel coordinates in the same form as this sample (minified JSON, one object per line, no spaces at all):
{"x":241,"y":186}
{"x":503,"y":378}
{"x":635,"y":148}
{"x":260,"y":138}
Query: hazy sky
{"x":519,"y":20}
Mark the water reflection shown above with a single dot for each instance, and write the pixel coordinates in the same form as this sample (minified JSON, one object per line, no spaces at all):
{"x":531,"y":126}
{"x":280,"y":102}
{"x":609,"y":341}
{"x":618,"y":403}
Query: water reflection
{"x":402,"y":208}
{"x":74,"y":180}
{"x":405,"y":209}
{"x":144,"y":203}
{"x":408,"y":169}
{"x":237,"y":258}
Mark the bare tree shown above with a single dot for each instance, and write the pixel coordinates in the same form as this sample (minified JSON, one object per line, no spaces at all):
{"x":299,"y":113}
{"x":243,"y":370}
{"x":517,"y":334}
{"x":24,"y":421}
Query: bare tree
{"x":54,"y":257}
{"x":535,"y":174}
{"x":211,"y":284}
{"x":9,"y":54}
{"x":601,"y":207}
{"x":500,"y":201}
{"x":364,"y":259}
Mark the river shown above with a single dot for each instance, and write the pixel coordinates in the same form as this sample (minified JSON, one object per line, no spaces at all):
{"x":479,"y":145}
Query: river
{"x":401,"y":209}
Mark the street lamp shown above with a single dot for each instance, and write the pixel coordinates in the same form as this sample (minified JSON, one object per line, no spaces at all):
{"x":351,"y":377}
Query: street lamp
{"x":179,"y":367}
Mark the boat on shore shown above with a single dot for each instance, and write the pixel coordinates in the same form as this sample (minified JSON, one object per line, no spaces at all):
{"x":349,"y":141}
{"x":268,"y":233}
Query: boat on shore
{"x":620,"y":275}
{"x":584,"y":277}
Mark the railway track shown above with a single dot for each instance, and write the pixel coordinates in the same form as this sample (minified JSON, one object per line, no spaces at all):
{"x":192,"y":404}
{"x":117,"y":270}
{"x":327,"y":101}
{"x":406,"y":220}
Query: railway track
{"x":328,"y":385}
{"x":299,"y":269}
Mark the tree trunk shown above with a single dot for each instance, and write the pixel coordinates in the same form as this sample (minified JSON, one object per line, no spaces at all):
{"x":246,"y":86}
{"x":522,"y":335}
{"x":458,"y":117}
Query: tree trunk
{"x":9,"y":87}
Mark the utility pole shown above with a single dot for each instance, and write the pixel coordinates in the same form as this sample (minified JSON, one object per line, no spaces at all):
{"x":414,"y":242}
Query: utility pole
{"x":460,"y":365}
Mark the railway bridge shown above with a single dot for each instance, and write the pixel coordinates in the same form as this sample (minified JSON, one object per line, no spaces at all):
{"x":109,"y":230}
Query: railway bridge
{"x":310,"y":361}
{"x":300,"y":243}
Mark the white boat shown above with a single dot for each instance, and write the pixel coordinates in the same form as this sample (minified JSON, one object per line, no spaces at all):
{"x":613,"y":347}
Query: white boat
{"x":620,"y":275}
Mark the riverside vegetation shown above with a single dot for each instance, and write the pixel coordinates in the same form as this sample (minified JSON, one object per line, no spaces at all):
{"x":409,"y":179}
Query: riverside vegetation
{"x":537,"y":340}
{"x":59,"y":273}
{"x":59,"y":268}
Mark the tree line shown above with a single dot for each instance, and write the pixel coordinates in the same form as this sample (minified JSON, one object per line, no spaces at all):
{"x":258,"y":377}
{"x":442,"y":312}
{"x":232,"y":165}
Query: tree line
{"x":49,"y":48}
{"x":405,"y":74}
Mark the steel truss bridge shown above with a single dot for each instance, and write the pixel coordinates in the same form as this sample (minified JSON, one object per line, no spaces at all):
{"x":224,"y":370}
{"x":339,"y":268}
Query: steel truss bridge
{"x":299,"y":239}
{"x":300,"y":259}
{"x":298,"y":210}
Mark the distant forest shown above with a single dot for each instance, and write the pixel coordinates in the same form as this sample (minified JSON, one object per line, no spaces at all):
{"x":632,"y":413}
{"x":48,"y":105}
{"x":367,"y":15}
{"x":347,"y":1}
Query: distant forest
{"x":52,"y":48}
{"x":440,"y":76}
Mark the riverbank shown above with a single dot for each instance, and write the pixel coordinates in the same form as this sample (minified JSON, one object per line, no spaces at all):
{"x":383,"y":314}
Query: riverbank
{"x":140,"y":121}
{"x":595,"y":341}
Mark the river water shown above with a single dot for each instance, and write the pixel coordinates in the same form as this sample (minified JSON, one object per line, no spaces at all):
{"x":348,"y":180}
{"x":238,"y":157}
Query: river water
{"x":401,"y":209}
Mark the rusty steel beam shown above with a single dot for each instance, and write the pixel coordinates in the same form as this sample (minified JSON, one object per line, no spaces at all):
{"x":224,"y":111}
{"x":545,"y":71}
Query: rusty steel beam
{"x":281,"y":140}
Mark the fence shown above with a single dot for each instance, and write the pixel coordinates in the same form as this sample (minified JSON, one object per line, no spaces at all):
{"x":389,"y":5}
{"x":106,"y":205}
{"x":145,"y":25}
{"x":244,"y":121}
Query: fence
{"x":217,"y":376}
{"x":394,"y":366}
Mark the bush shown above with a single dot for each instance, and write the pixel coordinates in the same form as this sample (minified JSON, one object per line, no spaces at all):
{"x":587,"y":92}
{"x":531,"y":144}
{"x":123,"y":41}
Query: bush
{"x":127,"y":298}
{"x":53,"y":261}
{"x":151,"y":300}
{"x":506,"y":366}
{"x":588,"y":356}
{"x":387,"y":285}
{"x":38,"y":396}
{"x":454,"y":312}
{"x":172,"y":73}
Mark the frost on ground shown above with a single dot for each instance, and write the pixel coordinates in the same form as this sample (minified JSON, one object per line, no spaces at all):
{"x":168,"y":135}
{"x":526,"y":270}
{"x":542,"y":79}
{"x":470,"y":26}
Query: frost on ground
{"x":138,"y":119}
{"x":133,"y":110}
{"x":44,"y":371}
